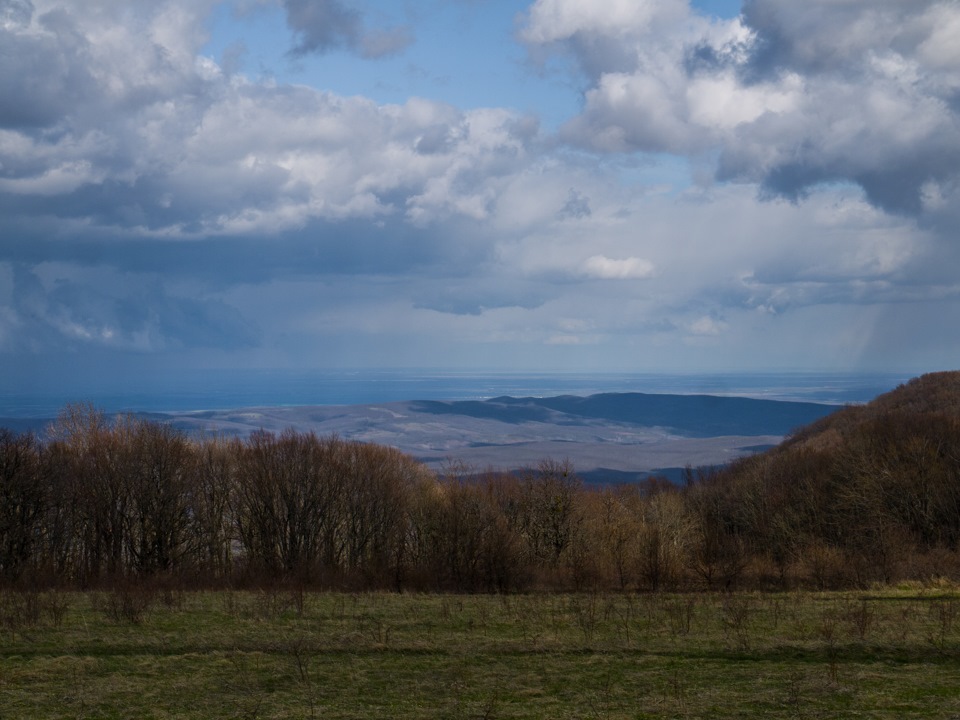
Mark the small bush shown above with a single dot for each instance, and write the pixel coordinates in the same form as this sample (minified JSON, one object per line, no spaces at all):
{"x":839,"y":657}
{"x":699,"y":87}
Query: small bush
{"x":20,"y":609}
{"x":127,"y":602}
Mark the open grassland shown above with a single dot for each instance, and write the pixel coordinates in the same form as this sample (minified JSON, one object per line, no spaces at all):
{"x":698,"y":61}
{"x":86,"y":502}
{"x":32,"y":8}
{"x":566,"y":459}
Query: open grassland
{"x":291,"y":654}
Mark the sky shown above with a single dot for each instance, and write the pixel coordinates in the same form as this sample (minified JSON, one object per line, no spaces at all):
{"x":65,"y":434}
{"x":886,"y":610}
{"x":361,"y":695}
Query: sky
{"x":549,"y":185}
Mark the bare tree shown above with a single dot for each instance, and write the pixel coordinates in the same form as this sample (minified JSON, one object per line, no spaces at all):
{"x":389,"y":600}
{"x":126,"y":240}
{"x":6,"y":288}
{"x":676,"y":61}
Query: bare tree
{"x":159,"y":463}
{"x":212,"y":478}
{"x":23,"y":499}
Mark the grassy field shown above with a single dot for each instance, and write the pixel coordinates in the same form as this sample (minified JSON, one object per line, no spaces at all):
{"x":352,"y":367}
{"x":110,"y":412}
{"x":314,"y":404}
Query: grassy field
{"x":288,"y":654}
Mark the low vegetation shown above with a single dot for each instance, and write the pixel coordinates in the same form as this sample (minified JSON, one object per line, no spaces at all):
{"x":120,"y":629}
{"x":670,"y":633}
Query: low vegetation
{"x":156,"y":652}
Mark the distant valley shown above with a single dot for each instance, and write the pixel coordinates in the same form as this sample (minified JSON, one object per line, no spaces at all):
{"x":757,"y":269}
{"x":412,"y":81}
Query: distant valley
{"x":607,"y":437}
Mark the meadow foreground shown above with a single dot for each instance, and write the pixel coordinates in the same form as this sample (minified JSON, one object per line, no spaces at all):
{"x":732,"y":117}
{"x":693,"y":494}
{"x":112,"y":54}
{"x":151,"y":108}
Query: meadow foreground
{"x":292,"y":654}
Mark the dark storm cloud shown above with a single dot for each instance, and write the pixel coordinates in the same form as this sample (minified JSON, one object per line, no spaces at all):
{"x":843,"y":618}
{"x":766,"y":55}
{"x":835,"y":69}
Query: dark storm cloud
{"x":15,"y":13}
{"x":155,"y":201}
{"x":877,"y":65}
{"x":42,"y":79}
{"x":828,"y":37}
{"x":472,"y":297}
{"x":319,"y":250}
{"x":576,"y":206}
{"x":320,"y":26}
{"x":72,"y":310}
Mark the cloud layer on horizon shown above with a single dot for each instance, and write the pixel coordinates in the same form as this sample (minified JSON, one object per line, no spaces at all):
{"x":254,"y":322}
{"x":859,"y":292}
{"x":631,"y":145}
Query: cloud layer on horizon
{"x":739,"y":185}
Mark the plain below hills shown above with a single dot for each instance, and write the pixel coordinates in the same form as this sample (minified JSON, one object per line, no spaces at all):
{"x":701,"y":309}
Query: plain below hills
{"x":609,"y":436}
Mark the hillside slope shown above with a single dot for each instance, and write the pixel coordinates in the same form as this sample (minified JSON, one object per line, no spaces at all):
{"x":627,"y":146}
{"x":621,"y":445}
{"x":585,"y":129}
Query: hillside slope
{"x":869,"y":493}
{"x":933,"y":395}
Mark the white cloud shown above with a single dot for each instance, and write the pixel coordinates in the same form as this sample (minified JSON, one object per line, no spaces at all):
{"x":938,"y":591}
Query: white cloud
{"x":564,"y":340}
{"x":174,"y":146}
{"x":707,"y":326}
{"x":604,"y":268}
{"x":554,"y":20}
{"x":790,"y":95}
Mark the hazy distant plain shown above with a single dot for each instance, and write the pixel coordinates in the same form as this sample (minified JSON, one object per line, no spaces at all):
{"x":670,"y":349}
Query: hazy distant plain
{"x":603,"y":441}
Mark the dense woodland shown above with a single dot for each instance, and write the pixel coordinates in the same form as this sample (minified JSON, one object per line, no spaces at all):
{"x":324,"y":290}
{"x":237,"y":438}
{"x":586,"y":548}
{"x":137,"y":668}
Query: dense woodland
{"x":870,"y":494}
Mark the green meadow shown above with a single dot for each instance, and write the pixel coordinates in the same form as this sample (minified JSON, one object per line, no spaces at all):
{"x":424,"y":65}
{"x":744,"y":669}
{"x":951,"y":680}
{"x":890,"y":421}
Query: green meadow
{"x":138,"y":653}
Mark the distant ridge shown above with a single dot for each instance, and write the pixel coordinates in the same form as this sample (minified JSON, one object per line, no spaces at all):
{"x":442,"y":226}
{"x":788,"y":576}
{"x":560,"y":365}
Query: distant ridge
{"x":689,"y":415}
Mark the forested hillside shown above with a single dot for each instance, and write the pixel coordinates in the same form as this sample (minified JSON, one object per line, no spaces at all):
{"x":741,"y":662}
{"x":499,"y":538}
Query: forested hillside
{"x":867,"y":494}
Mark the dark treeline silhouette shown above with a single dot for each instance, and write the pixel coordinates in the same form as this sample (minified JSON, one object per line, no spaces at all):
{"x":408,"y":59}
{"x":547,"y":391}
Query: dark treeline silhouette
{"x":868,"y":494}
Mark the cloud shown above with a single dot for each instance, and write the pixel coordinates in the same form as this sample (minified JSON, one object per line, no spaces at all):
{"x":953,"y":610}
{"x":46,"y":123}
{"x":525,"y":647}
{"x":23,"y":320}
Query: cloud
{"x":15,"y":13}
{"x":41,"y":78}
{"x":150,"y":138}
{"x":707,"y":326}
{"x":152,"y":201}
{"x":383,"y":43}
{"x":789,"y":96}
{"x":564,"y":340}
{"x":479,"y":290}
{"x":605,"y":268}
{"x":558,"y":20}
{"x":576,"y":206}
{"x":58,"y":308}
{"x":320,"y":26}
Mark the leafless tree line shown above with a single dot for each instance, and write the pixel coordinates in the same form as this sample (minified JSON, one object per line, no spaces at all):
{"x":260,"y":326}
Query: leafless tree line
{"x":102,"y":501}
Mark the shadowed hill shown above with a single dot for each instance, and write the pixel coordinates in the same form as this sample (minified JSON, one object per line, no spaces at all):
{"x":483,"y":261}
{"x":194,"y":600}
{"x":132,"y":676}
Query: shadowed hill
{"x":689,"y":415}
